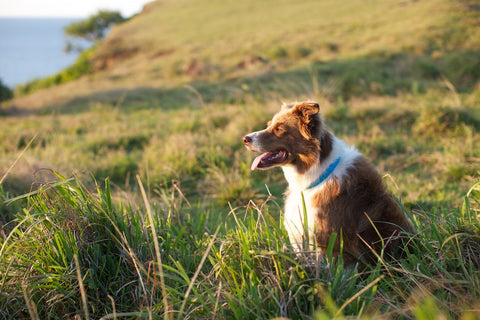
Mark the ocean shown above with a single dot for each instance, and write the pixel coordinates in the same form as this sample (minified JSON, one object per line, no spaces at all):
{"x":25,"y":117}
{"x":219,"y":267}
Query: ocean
{"x":32,"y":48}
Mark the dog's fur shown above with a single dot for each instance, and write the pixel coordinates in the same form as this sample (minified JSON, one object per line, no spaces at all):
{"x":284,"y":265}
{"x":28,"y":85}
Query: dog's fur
{"x":351,"y":202}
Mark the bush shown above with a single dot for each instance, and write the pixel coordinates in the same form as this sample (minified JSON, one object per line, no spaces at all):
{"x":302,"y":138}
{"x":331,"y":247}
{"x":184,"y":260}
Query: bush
{"x":462,"y":69}
{"x":81,"y":67}
{"x":5,"y":92}
{"x":279,"y":52}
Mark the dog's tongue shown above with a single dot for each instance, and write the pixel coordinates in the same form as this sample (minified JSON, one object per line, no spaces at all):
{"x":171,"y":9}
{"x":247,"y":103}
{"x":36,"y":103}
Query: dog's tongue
{"x":257,"y":161}
{"x":269,"y":159}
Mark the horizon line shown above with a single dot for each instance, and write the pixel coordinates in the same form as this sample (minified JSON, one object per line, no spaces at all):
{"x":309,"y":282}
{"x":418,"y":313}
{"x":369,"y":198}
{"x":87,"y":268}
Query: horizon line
{"x":41,"y":17}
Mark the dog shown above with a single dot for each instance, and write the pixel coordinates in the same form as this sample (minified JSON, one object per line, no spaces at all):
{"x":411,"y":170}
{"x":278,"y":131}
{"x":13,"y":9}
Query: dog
{"x":332,"y":188}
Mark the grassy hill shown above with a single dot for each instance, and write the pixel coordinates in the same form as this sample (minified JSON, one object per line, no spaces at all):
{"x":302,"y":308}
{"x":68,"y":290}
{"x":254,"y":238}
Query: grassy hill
{"x":170,"y":95}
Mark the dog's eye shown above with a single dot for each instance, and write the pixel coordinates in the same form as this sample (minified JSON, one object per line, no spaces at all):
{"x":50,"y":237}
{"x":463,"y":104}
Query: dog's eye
{"x":278,"y":130}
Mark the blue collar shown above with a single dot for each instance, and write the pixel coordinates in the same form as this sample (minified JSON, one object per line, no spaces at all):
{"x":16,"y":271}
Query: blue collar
{"x":325,"y":175}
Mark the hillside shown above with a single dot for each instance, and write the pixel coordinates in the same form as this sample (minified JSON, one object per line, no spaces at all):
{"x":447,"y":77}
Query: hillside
{"x":171,"y":93}
{"x":412,"y":65}
{"x":172,"y":43}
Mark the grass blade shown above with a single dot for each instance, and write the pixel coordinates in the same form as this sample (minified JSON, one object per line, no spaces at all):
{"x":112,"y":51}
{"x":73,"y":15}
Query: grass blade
{"x":82,"y":288}
{"x":199,"y":268}
{"x":157,"y":248}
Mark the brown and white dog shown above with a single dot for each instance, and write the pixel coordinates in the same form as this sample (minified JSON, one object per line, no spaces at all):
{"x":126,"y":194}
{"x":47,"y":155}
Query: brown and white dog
{"x":339,"y":189}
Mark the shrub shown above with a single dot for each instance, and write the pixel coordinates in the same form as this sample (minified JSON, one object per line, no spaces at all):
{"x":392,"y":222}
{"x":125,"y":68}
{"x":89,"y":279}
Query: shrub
{"x":427,"y":68}
{"x":81,"y":67}
{"x":302,"y":52}
{"x":463,"y":69}
{"x":279,"y":52}
{"x":5,"y":92}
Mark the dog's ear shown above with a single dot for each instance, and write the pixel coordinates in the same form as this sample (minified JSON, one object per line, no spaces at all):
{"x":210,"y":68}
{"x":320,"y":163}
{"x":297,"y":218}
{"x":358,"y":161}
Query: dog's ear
{"x":287,"y":106}
{"x":306,"y":110}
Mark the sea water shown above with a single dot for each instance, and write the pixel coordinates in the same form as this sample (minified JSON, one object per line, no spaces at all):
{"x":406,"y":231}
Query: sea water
{"x":32,"y":48}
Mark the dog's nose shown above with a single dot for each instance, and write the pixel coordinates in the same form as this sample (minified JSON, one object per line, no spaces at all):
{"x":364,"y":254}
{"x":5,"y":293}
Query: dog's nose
{"x":247,"y":139}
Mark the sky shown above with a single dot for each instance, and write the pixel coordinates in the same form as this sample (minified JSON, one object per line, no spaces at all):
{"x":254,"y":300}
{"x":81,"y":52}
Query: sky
{"x":67,"y":8}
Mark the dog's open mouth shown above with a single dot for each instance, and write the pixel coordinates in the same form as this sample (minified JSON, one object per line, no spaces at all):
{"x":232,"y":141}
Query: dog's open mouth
{"x":269,"y":159}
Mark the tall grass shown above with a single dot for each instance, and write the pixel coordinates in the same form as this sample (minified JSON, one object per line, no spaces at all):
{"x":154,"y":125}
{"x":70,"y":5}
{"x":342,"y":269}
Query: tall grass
{"x":72,"y":253}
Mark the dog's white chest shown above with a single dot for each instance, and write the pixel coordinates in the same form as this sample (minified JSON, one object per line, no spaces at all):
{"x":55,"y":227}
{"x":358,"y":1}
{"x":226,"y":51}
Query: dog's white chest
{"x":300,"y":219}
{"x":301,"y":214}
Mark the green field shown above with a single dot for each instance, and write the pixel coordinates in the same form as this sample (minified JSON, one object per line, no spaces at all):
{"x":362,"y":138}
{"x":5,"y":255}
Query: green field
{"x":172,"y":92}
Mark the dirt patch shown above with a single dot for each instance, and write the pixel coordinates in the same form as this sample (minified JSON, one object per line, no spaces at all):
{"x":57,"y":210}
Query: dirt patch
{"x":252,"y":62}
{"x":107,"y":60}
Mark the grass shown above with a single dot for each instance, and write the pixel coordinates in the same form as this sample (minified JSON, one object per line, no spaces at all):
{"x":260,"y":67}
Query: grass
{"x":174,"y":43}
{"x":73,"y":252}
{"x":127,"y":193}
{"x":414,"y":137}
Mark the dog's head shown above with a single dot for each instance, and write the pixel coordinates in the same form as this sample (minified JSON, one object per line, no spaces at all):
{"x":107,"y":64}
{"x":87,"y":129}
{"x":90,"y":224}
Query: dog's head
{"x":293,"y":137}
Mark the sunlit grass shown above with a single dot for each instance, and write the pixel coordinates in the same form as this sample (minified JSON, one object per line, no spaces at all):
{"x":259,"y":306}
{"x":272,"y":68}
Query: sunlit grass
{"x":160,"y":217}
{"x":238,"y":268}
{"x":428,"y":150}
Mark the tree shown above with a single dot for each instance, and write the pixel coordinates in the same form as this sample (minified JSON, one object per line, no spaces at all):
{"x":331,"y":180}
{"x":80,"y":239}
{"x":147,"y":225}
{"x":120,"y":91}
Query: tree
{"x":91,"y":29}
{"x":5,"y":92}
